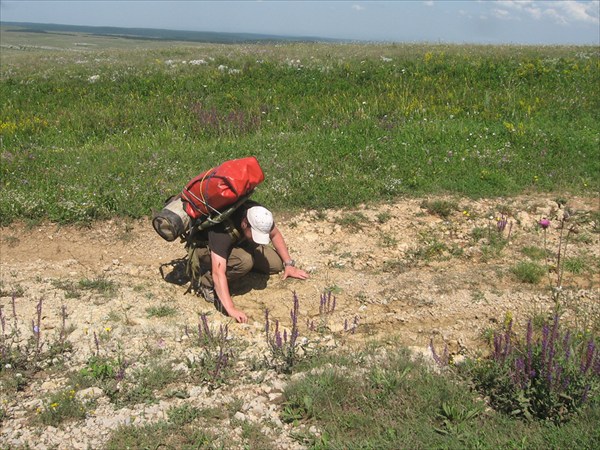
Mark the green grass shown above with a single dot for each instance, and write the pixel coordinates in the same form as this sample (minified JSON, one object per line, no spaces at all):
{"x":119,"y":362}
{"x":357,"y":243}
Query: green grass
{"x":60,"y":407}
{"x":528,"y":272}
{"x":101,"y":285}
{"x":115,"y":131}
{"x":441,"y":208}
{"x":142,"y":385}
{"x":166,"y":434}
{"x":161,"y":311}
{"x":399,"y":403}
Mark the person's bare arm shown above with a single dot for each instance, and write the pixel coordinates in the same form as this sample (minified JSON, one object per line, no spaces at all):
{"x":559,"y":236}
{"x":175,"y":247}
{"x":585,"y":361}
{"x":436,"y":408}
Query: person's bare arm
{"x":282,"y":251}
{"x":219,"y":273}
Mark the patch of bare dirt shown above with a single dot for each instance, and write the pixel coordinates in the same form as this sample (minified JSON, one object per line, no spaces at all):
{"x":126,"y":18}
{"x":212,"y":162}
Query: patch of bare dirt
{"x":401,"y":268}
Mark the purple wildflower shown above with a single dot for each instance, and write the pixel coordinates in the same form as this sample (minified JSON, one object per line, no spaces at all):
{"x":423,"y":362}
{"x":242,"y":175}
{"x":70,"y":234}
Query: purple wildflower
{"x":544,"y":223}
{"x":589,"y":357}
{"x":567,"y":346}
{"x":267,"y":322}
{"x":501,"y":224}
{"x":2,"y":320}
{"x":584,"y":396}
{"x":441,"y":360}
{"x":529,"y":347}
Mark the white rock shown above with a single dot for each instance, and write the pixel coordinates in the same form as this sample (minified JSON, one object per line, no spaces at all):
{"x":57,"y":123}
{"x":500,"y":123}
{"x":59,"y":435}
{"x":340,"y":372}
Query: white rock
{"x":91,"y":393}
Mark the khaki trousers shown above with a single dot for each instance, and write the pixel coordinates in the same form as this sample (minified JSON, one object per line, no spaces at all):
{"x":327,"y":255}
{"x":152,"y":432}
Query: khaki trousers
{"x":260,"y":258}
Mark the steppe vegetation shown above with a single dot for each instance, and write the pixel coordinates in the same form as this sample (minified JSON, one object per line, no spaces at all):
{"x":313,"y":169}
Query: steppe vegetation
{"x":90,"y":132}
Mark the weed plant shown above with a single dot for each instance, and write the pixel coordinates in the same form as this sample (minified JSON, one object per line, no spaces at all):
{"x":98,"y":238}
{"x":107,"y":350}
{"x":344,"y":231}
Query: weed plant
{"x":60,"y":407}
{"x":283,"y":346}
{"x":549,"y":375}
{"x":358,"y":123}
{"x":24,"y":354}
{"x":327,"y":305}
{"x":529,"y":272}
{"x":214,"y":365}
{"x":142,"y":384}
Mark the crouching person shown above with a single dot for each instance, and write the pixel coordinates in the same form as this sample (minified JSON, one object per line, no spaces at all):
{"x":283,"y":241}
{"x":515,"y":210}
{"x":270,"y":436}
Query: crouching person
{"x":229,"y":250}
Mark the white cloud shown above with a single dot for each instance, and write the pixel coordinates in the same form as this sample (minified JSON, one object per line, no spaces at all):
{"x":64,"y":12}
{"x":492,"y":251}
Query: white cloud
{"x":428,"y":2}
{"x":501,"y":14}
{"x":563,"y":12}
{"x":358,"y":8}
{"x":581,"y":12}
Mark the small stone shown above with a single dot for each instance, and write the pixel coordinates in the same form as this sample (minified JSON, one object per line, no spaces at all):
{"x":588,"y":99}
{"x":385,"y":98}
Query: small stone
{"x":91,"y":393}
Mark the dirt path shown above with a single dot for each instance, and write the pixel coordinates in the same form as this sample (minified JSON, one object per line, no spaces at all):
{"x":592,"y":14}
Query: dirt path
{"x":399,"y":269}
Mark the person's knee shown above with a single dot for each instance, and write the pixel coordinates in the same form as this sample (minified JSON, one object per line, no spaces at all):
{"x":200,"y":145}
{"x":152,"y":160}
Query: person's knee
{"x":239,"y":263}
{"x":266,"y":260}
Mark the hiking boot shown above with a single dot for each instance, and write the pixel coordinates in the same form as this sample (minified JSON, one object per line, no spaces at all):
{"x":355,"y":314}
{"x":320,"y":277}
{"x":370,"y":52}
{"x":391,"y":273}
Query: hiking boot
{"x":208,"y":293}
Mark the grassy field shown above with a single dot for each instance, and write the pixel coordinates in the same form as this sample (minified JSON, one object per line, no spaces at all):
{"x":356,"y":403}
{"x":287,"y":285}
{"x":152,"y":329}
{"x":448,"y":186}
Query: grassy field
{"x":96,"y":127}
{"x":93,"y":128}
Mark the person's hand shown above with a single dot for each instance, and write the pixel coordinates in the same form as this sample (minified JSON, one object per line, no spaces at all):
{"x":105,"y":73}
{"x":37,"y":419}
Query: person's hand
{"x":294,"y":272}
{"x":238,"y":315}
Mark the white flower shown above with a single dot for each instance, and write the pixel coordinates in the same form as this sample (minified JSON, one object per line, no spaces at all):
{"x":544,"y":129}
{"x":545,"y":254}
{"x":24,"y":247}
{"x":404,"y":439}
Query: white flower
{"x":94,"y":78}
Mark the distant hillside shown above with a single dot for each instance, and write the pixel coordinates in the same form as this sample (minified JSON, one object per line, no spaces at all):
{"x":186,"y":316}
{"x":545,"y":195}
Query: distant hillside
{"x":159,"y":35}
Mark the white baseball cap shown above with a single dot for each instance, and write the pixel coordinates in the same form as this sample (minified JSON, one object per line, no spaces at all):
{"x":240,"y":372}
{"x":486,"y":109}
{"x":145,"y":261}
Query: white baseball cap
{"x":261,"y":223}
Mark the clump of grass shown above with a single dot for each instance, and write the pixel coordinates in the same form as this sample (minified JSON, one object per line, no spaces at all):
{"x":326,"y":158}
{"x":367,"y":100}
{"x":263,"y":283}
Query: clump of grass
{"x":383,"y":217}
{"x":60,"y":407}
{"x":184,"y":414}
{"x":104,"y":286}
{"x":441,"y":208}
{"x":141,"y":385}
{"x":388,"y":240}
{"x":161,"y":311}
{"x":72,"y":290}
{"x":432,"y":250}
{"x":396,"y":265}
{"x":169,"y":435}
{"x":535,"y":253}
{"x":355,"y":221}
{"x":576,"y":265}
{"x":528,"y":272}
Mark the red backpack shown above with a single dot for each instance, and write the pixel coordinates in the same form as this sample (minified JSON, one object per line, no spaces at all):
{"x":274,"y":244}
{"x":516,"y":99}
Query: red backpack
{"x":210,"y":197}
{"x":210,"y":192}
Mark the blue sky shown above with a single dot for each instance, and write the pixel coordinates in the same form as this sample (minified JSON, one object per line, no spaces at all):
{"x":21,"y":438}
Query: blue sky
{"x":469,"y":21}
